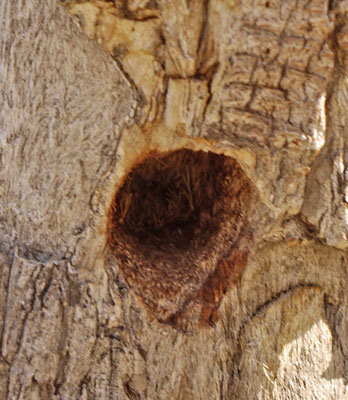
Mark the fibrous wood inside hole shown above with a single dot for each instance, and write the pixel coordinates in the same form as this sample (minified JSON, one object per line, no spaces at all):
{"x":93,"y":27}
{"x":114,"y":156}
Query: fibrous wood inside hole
{"x":172,"y":221}
{"x":174,"y":200}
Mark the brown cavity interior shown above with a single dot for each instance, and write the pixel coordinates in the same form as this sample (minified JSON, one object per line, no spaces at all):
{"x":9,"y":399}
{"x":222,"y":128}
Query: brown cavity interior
{"x":176,"y":203}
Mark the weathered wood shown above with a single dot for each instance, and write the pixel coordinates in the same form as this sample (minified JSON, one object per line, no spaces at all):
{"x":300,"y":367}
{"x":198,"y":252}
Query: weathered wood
{"x":264,"y":83}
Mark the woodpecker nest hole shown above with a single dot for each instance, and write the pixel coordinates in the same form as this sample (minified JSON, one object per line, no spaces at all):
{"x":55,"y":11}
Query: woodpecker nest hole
{"x":174,"y":221}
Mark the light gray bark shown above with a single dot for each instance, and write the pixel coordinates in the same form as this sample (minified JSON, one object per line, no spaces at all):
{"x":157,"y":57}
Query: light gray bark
{"x":262,"y":82}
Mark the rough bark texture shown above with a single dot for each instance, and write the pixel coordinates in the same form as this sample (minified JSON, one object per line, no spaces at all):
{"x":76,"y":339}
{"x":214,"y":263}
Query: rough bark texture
{"x":259,"y":313}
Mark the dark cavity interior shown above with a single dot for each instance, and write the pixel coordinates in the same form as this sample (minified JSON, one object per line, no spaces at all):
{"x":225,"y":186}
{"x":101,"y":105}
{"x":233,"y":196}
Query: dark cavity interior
{"x":175,"y":202}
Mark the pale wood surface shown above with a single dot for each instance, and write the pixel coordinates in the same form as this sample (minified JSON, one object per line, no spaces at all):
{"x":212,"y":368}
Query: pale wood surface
{"x":264,"y":82}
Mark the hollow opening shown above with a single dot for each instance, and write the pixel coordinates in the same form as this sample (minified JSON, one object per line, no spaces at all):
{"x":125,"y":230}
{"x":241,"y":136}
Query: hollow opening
{"x":172,"y":220}
{"x":174,"y":201}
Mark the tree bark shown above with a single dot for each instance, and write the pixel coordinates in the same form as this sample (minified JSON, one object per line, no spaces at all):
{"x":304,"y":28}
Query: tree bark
{"x":174,"y":206}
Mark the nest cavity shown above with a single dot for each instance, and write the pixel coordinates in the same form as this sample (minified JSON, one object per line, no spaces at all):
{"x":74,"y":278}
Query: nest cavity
{"x":172,"y":220}
{"x":173,"y":201}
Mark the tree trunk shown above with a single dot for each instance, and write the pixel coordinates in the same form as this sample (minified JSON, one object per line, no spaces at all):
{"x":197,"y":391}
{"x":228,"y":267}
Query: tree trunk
{"x":174,"y":209}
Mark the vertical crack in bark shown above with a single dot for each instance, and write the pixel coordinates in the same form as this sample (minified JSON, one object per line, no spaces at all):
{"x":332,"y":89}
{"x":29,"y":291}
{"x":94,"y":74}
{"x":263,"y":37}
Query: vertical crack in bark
{"x":41,"y":296}
{"x":33,"y":279}
{"x":330,"y":5}
{"x":7,"y":288}
{"x":113,"y":370}
{"x":203,"y":33}
{"x":30,"y":309}
{"x":63,"y":344}
{"x":86,"y":380}
{"x":210,"y":74}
